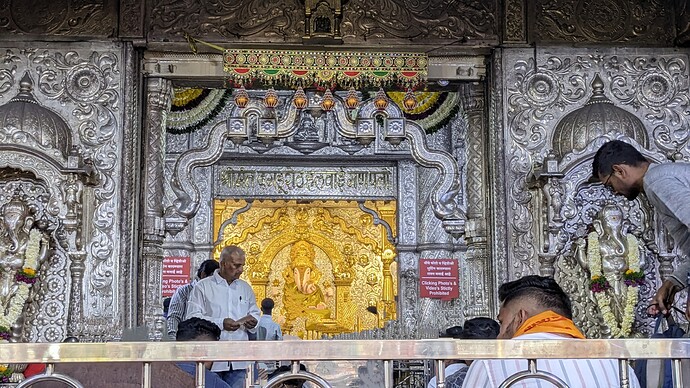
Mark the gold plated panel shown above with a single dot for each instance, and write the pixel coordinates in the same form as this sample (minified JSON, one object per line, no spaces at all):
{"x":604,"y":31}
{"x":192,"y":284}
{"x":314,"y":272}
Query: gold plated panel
{"x":327,"y":266}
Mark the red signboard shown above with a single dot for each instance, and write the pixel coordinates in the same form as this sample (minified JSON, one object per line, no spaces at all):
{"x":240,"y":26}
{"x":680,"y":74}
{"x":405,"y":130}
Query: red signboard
{"x":438,"y":278}
{"x":176,"y":271}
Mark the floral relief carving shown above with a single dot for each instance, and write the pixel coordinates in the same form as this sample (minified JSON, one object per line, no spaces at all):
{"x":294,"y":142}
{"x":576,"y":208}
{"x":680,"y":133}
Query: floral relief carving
{"x":646,"y":21}
{"x":228,"y":20}
{"x":653,"y":85}
{"x":131,"y":18}
{"x":657,"y":87}
{"x":59,"y":17}
{"x":536,"y":93}
{"x":91,"y":84}
{"x":419,"y":20}
{"x":515,"y":20}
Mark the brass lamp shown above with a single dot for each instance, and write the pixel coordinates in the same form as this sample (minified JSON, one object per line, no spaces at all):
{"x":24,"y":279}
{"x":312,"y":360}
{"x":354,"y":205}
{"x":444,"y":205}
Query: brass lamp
{"x":381,"y":100}
{"x":328,"y":102}
{"x":352,"y":99}
{"x":241,"y":97}
{"x":409,"y":101}
{"x":300,"y":99}
{"x":271,"y":98}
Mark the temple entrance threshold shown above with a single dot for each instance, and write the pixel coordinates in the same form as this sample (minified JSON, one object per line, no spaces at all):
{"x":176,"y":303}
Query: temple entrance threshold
{"x":328,"y":265}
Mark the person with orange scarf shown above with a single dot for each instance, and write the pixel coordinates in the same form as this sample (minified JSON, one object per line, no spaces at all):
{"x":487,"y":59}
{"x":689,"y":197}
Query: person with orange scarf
{"x":536,"y":308}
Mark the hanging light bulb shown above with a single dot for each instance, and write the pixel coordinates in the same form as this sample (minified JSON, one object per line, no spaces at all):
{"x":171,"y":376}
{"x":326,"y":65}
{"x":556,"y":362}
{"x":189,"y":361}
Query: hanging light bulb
{"x":300,"y":99}
{"x":241,"y":97}
{"x":381,"y":100}
{"x":271,"y":98}
{"x":352,"y":99}
{"x":328,"y":102}
{"x":409,"y":101}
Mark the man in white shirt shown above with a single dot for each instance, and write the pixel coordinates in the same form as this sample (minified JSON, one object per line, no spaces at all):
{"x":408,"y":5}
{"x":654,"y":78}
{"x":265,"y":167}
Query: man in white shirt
{"x":230,"y":303}
{"x":536,"y":308}
{"x":267,"y":328}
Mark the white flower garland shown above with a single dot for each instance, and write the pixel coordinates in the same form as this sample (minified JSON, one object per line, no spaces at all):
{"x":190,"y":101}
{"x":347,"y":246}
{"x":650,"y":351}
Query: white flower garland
{"x":33,"y":248}
{"x":603,"y":299}
{"x":16,"y":306}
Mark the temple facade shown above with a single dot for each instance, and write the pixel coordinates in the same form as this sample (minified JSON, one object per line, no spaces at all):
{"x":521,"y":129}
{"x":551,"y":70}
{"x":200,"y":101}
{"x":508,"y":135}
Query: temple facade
{"x":385,"y":165}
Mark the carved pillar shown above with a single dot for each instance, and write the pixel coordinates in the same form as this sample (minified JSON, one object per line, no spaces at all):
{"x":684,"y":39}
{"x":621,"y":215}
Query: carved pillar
{"x":498,"y":221}
{"x":76,"y":308}
{"x":158,"y":99}
{"x":478,"y":263}
{"x":72,"y":191}
{"x":408,"y":279}
{"x":130,"y":192}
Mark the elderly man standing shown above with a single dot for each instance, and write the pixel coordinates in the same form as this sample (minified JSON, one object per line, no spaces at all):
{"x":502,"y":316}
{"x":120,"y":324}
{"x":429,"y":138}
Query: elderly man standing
{"x":229,"y":302}
{"x":536,"y":308}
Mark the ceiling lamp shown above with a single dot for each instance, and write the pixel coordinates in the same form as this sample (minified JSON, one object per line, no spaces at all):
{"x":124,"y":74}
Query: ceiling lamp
{"x":352,"y":99}
{"x":409,"y":101}
{"x":328,"y":102}
{"x":241,"y":97}
{"x":271,"y":98}
{"x":300,"y":99}
{"x":381,"y":100}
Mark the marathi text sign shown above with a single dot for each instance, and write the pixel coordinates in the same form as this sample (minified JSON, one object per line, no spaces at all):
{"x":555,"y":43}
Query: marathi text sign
{"x":176,"y":271}
{"x":438,"y":278}
{"x":341,"y":182}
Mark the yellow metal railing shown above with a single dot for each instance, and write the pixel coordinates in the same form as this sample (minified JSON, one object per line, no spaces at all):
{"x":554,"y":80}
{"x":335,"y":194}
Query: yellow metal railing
{"x":334,"y":350}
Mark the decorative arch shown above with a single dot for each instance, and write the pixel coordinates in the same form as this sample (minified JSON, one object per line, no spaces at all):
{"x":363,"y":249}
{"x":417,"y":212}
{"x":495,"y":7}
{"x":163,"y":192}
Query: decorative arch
{"x":446,"y":197}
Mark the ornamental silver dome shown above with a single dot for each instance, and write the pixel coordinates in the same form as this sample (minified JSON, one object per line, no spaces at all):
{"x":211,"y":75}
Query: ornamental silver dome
{"x":597,"y":118}
{"x":23,"y":117}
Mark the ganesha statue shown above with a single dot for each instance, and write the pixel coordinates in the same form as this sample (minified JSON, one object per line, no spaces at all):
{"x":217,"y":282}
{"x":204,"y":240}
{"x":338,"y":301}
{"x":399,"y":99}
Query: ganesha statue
{"x":302,"y":293}
{"x":22,"y":249}
{"x":611,"y":257}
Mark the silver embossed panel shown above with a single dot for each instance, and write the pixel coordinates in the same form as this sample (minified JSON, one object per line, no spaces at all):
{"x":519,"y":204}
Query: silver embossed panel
{"x":310,"y":182}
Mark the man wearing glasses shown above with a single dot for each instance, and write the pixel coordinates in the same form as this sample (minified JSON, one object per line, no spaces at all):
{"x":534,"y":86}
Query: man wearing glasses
{"x":624,"y":170}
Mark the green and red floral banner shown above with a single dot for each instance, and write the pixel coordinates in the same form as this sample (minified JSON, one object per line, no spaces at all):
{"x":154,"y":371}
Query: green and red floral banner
{"x":325,"y":68}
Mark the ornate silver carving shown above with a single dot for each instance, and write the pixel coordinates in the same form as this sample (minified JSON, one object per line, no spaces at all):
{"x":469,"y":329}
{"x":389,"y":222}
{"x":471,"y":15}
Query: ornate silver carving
{"x":515,"y":21}
{"x":657,"y":87}
{"x":60,"y":17}
{"x":95,"y":126}
{"x":132,"y":14}
{"x":28,"y":123}
{"x":255,"y":19}
{"x":130,"y":197}
{"x":96,"y":113}
{"x":544,"y":222}
{"x":445,"y":200}
{"x":158,"y":100}
{"x":477,"y":302}
{"x":418,"y":21}
{"x":498,"y":235}
{"x":577,"y":129}
{"x":407,"y":205}
{"x":604,"y":21}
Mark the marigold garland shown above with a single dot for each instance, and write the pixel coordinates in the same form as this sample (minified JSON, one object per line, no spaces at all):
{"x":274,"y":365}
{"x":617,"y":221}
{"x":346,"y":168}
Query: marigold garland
{"x":634,"y":277}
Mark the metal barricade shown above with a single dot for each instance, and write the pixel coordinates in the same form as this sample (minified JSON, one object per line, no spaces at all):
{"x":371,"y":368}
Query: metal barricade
{"x":353,"y":350}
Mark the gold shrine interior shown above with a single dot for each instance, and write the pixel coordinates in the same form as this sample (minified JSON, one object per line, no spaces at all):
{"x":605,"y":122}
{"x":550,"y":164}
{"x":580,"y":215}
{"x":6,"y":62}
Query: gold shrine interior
{"x":120,"y":147}
{"x":324,"y":263}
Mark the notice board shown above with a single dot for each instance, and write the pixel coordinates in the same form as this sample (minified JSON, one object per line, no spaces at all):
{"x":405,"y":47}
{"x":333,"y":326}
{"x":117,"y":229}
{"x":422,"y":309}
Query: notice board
{"x":438,"y":278}
{"x":176,"y":270}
